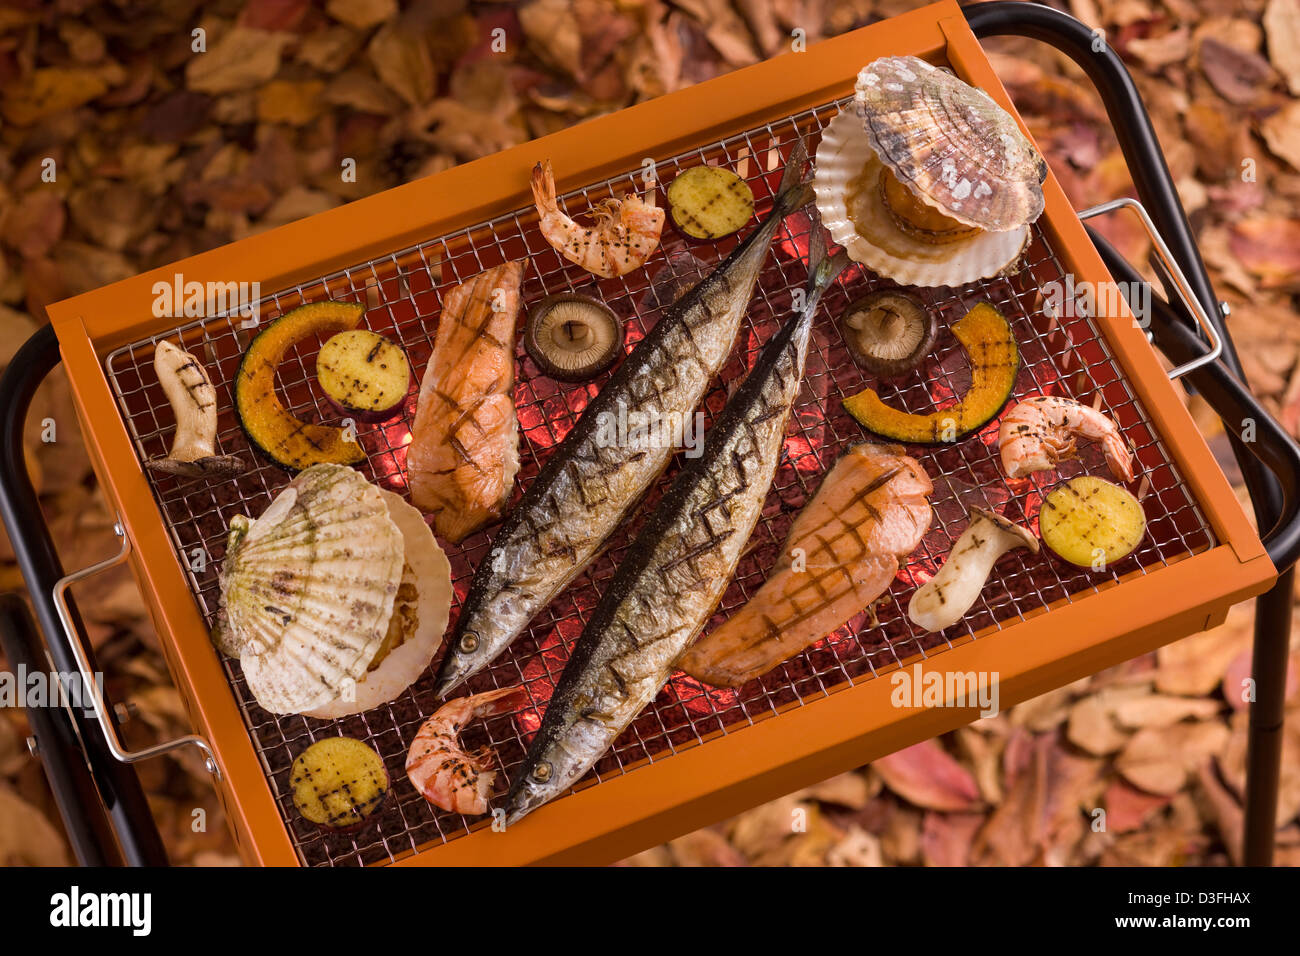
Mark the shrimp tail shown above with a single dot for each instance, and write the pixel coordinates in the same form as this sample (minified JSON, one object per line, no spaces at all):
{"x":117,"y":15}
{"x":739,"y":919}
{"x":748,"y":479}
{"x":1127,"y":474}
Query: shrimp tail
{"x":544,"y":186}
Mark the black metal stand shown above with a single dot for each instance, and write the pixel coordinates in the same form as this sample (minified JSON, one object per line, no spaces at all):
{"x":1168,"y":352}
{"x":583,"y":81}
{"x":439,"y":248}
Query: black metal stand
{"x":1269,"y":497}
{"x":116,"y":784}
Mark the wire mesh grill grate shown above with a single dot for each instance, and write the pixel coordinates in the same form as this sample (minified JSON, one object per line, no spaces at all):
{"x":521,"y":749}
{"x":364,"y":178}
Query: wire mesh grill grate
{"x":403,"y":292}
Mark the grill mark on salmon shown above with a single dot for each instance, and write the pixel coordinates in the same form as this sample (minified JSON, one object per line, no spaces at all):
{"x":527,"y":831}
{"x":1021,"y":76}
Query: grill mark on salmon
{"x":870,"y":513}
{"x":464,"y":449}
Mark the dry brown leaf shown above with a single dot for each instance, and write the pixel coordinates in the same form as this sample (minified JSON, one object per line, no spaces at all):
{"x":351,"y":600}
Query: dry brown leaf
{"x":984,"y":755}
{"x":946,"y":838}
{"x":1128,"y":808}
{"x":1240,"y":76}
{"x":286,"y":101}
{"x":34,"y":223}
{"x":401,"y":59}
{"x":361,"y":14}
{"x":1268,"y":246}
{"x":552,"y":26}
{"x":1281,"y":131}
{"x":1159,"y":759}
{"x":925,"y":775}
{"x":1232,"y":764}
{"x":846,"y":790}
{"x":1235,"y":687}
{"x":705,"y":848}
{"x":1282,"y":27}
{"x":1155,"y":52}
{"x":240,"y":59}
{"x":1225,"y":811}
{"x":1091,"y":728}
{"x":856,"y":848}
{"x":27,"y":838}
{"x":1157,"y":710}
{"x":50,"y":90}
{"x":1195,"y":665}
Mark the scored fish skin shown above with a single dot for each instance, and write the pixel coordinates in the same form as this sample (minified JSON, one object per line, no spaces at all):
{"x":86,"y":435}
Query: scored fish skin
{"x":464,"y":449}
{"x":588,"y":486}
{"x":675,"y":572}
{"x":870,"y":513}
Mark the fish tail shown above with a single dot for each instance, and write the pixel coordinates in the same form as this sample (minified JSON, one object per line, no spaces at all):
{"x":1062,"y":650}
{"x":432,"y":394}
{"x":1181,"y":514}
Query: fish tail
{"x":794,"y":192}
{"x":822,"y":270}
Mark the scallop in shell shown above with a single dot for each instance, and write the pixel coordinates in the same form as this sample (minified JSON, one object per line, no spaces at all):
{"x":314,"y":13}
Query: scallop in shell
{"x":309,"y":587}
{"x":419,"y":619}
{"x":950,"y":143}
{"x":847,"y":183}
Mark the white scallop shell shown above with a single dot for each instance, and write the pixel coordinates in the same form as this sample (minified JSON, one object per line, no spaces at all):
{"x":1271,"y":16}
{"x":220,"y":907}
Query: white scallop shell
{"x":405,"y":663}
{"x":308,"y":588}
{"x":843,"y":155}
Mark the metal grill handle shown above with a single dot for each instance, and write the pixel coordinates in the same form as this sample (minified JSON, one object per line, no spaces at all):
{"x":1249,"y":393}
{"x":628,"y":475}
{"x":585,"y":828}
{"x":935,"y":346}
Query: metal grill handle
{"x":91,"y":687}
{"x":1181,"y":286}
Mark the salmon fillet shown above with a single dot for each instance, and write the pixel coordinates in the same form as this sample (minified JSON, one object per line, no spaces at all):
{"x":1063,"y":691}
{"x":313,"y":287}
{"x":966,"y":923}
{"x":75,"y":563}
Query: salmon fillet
{"x":842,"y":552}
{"x":464,"y":449}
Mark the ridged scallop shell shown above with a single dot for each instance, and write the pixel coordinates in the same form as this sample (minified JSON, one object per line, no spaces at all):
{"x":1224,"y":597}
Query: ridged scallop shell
{"x":950,"y":143}
{"x":308,"y":588}
{"x":431,"y":571}
{"x":845,"y":160}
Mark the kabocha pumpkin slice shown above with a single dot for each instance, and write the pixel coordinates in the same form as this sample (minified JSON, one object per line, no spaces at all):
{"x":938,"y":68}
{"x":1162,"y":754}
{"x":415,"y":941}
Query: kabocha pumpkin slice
{"x":364,"y":374}
{"x":708,"y":202}
{"x":988,"y":340}
{"x":272,"y":428}
{"x":1091,"y":522}
{"x":338,"y":783}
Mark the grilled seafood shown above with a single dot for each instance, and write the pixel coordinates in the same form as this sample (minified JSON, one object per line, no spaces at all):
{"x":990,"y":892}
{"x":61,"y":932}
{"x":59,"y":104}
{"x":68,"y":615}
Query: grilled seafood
{"x":589,"y":484}
{"x":625,"y":233}
{"x":870,"y":512}
{"x":448,"y":777}
{"x":675,"y":572}
{"x":464,"y":450}
{"x":1041,"y":431}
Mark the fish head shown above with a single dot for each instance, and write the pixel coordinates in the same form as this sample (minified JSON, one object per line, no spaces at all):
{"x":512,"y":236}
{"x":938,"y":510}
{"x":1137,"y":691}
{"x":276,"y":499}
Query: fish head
{"x":553,"y":766}
{"x":467,"y":654}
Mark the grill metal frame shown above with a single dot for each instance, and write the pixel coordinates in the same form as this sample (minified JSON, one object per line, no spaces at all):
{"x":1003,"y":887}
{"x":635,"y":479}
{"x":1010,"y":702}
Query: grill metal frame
{"x":1204,"y":528}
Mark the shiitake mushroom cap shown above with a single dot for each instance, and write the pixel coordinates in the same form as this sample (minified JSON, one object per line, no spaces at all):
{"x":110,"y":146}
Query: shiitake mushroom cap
{"x":573,"y":337}
{"x":889,"y":331}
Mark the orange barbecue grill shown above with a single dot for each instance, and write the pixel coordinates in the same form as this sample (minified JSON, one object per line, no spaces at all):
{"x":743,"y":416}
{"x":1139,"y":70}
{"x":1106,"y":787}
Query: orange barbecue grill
{"x":697,"y":753}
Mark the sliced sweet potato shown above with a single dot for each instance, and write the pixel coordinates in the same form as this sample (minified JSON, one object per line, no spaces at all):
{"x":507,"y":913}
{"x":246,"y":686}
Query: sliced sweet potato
{"x":1091,"y":522}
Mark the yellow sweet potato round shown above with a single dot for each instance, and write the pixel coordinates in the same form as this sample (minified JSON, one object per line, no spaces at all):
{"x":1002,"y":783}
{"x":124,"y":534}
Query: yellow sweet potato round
{"x":1091,"y":522}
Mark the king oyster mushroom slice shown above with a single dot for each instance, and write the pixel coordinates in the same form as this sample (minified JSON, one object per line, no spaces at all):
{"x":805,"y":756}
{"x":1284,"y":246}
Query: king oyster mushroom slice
{"x":950,"y":143}
{"x":193,"y":400}
{"x":945,"y":598}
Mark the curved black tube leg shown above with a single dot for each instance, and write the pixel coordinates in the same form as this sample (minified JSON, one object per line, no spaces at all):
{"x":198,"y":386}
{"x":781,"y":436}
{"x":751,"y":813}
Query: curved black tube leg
{"x":1156,"y":190}
{"x":117,"y":784}
{"x":1232,"y":400}
{"x":89,"y":832}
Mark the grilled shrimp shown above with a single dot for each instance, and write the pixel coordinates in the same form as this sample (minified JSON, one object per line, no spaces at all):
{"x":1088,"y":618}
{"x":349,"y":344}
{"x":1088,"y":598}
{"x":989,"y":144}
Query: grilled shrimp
{"x":448,"y":777}
{"x":1041,"y":431}
{"x":625,"y":234}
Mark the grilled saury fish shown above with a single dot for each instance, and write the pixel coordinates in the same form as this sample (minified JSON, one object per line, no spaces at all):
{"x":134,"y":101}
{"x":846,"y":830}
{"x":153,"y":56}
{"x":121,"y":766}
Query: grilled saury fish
{"x":675,"y":572}
{"x":589,"y":484}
